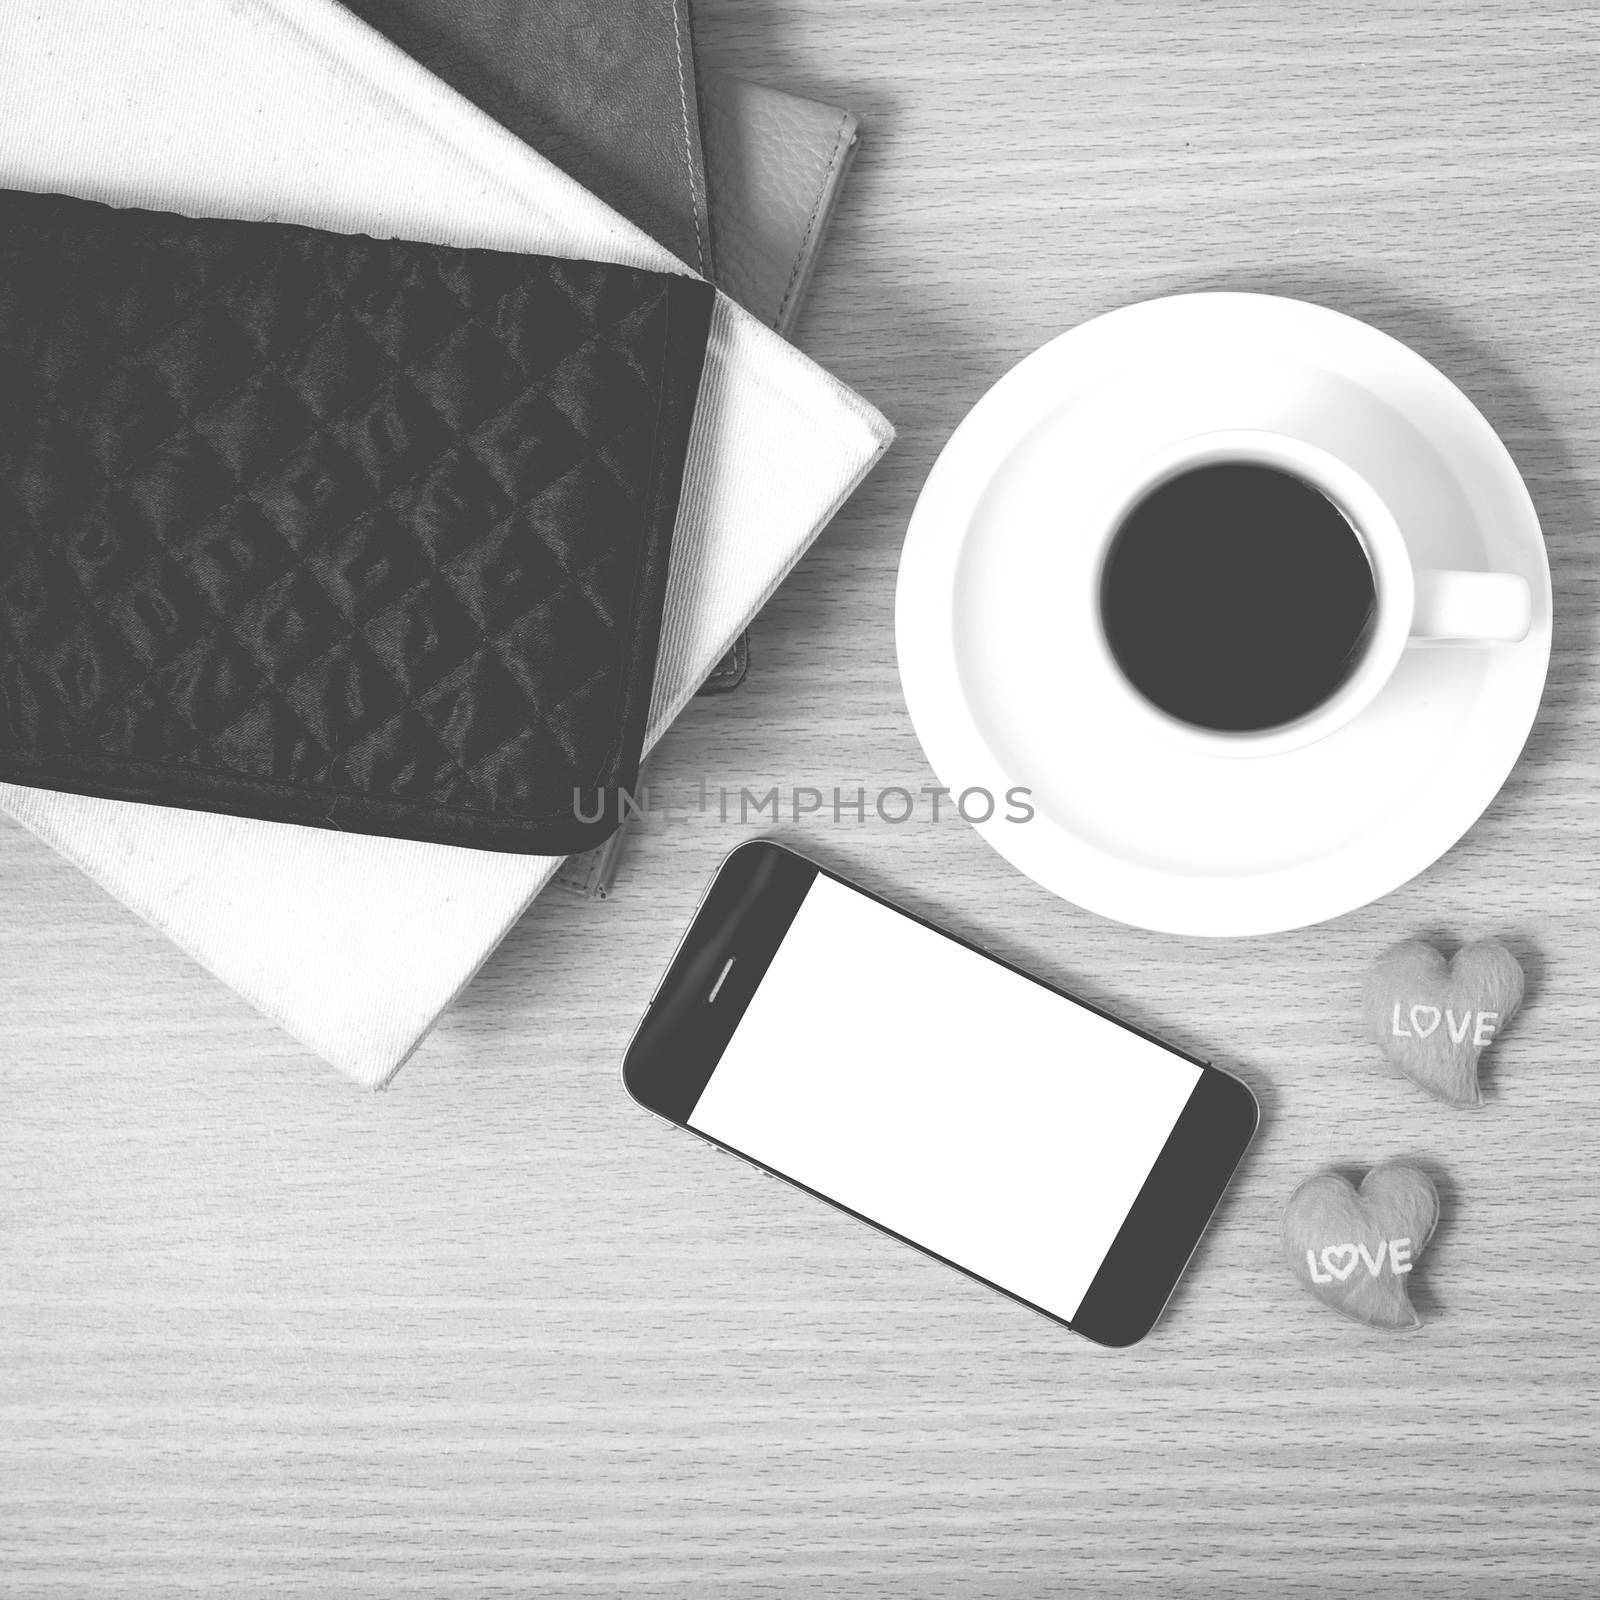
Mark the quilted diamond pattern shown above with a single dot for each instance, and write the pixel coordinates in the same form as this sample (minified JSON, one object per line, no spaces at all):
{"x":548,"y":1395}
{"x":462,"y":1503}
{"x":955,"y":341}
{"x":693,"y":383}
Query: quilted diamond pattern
{"x":360,"y":533}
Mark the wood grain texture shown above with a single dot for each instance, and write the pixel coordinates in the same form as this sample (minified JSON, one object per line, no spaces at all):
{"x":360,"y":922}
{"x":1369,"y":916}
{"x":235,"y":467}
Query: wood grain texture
{"x":497,"y":1332}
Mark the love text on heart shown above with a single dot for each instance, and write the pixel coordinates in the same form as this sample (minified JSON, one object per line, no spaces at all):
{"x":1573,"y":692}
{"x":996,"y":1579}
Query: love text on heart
{"x":1425,"y":1020}
{"x":1340,"y":1260}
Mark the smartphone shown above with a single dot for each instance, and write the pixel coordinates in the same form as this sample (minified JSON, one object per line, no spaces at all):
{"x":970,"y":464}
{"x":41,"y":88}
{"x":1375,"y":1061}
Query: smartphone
{"x":947,"y":1098}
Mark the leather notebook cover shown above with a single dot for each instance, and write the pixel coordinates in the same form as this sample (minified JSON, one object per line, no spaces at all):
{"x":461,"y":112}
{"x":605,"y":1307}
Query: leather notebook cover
{"x":606,"y":89}
{"x":603,"y":88}
{"x":307,"y":526}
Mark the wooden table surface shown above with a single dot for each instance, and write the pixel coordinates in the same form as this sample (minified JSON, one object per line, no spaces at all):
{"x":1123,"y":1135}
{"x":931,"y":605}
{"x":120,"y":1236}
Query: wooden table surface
{"x":497,"y":1331}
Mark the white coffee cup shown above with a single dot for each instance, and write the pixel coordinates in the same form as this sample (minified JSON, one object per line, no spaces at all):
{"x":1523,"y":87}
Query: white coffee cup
{"x":1412,"y":608}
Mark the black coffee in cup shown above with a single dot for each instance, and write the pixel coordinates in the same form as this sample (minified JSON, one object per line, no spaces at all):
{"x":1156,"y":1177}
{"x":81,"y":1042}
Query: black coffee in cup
{"x":1237,"y":597}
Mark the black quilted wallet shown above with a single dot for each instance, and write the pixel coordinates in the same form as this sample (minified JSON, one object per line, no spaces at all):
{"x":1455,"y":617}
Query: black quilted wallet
{"x":325,"y":529}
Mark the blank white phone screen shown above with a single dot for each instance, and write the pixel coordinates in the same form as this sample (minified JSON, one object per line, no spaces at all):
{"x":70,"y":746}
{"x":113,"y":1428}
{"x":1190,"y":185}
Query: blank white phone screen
{"x":939,"y":1094}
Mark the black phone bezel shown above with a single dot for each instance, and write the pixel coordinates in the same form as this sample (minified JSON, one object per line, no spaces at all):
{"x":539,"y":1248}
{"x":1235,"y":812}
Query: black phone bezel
{"x":745,"y":913}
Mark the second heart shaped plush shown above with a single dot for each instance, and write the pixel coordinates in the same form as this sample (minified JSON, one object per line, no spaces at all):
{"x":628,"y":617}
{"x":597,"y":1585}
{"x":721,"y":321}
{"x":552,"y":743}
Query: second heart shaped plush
{"x":1354,"y":1249}
{"x":1433,"y":1018}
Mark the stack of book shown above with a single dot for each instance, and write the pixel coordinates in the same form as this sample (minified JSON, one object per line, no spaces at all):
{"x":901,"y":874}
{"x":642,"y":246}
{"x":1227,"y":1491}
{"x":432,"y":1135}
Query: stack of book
{"x":298,"y":111}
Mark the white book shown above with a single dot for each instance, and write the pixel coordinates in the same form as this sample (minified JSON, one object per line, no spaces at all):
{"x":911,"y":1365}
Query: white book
{"x":294,"y":110}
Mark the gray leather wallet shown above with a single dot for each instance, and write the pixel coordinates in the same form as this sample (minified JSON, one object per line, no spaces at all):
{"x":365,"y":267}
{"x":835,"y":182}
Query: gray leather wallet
{"x":775,"y":164}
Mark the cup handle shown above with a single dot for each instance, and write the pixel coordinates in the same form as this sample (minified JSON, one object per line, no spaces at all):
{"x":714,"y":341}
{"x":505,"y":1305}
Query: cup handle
{"x":1472,"y":608}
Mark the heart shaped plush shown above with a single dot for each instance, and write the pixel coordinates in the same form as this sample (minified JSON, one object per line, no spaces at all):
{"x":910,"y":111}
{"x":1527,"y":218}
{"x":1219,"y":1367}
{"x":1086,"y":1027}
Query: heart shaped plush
{"x":1354,"y":1249}
{"x":1433,"y":1019}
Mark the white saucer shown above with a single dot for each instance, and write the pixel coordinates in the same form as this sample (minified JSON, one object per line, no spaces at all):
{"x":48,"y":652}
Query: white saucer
{"x":1134,"y":824}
